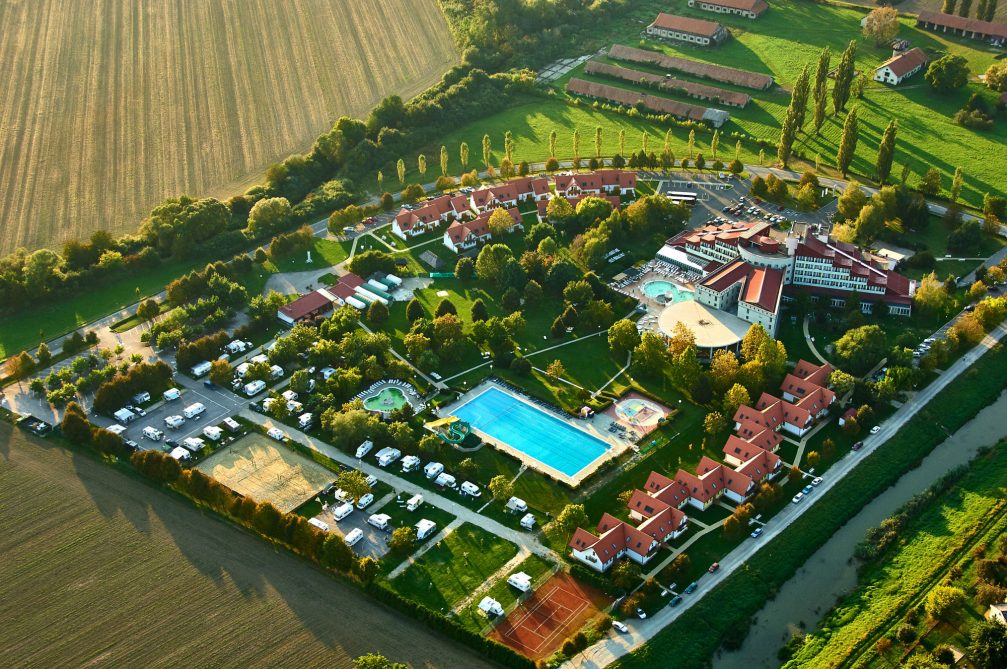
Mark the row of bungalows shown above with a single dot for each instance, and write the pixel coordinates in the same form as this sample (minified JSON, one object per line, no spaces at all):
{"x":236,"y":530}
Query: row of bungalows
{"x":722,"y":73}
{"x":805,"y":402}
{"x":669,"y":83}
{"x":655,"y":103}
{"x":350,"y":290}
{"x":750,"y":457}
{"x":465,"y":235}
{"x":995,"y":33}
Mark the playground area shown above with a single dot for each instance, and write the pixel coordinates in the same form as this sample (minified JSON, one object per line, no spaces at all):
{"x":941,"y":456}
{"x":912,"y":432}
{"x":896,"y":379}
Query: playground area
{"x":452,"y":429}
{"x":539,"y":625}
{"x":638,"y":413}
{"x":257,"y":467}
{"x":390,"y":395}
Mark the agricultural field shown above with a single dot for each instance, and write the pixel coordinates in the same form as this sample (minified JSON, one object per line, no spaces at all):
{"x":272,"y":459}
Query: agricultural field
{"x":969,"y":517}
{"x":927,"y":135}
{"x":120,"y":573}
{"x":107,"y":108}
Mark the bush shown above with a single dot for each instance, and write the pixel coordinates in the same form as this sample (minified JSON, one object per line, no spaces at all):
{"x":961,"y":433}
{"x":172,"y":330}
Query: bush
{"x":906,"y":633}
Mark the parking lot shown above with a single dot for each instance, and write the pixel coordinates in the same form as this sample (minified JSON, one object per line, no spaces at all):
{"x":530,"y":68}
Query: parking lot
{"x":374,"y":542}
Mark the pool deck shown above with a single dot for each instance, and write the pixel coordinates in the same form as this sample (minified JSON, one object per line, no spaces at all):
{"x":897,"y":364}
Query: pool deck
{"x":596,"y":426}
{"x":408,"y":391}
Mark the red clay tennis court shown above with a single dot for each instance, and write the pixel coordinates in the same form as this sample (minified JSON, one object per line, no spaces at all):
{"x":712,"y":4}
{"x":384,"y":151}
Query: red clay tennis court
{"x":540,"y":624}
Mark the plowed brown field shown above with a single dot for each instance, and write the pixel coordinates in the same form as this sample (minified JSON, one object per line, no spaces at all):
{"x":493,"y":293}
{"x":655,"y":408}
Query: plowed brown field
{"x":109,"y":106}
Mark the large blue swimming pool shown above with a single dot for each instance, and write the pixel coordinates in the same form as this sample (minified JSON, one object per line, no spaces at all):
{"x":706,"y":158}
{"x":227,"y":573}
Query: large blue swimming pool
{"x":531,"y":430}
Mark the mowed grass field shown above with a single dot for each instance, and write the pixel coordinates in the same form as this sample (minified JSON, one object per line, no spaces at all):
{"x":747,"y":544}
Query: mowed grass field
{"x":109,"y":106}
{"x":100,"y":569}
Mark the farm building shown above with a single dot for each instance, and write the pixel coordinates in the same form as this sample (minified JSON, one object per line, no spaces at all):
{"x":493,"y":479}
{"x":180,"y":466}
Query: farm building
{"x":627,"y":98}
{"x":901,"y":66}
{"x":962,"y":26}
{"x":686,"y":29}
{"x":669,"y":83}
{"x":304,"y":308}
{"x":750,"y":9}
{"x":728,"y":75}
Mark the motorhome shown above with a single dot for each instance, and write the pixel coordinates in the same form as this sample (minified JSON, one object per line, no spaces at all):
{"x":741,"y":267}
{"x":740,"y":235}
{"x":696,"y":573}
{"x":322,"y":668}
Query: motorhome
{"x":174,"y":422}
{"x":320,"y":524}
{"x":425,"y":528}
{"x":445,"y":480}
{"x":433,"y":469}
{"x":213,"y":433}
{"x":387,"y":456}
{"x":231,"y":424}
{"x":410,"y":463}
{"x":379,"y":520}
{"x":152,"y":433}
{"x":124,"y":416}
{"x":202,"y":369}
{"x":305,"y":421}
{"x":521,"y":581}
{"x":275,"y":372}
{"x":364,"y":448}
{"x":171,"y":394}
{"x":193,"y":410}
{"x":342,"y":510}
{"x":414,"y":502}
{"x":254,"y":388}
{"x":141,"y":398}
{"x":470,"y":488}
{"x":194,"y":444}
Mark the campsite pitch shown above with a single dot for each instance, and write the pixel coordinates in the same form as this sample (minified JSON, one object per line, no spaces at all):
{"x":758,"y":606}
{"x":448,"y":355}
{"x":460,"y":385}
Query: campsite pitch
{"x":260,"y":468}
{"x":557,"y":609}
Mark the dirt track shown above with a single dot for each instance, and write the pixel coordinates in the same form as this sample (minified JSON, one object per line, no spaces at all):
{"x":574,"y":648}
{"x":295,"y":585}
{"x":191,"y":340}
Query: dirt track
{"x":100,"y":569}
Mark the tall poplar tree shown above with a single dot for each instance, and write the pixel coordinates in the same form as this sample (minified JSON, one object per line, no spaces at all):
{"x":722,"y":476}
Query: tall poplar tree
{"x":715,"y":143}
{"x":886,"y":151}
{"x":552,"y":144}
{"x":576,"y":143}
{"x":964,"y":7}
{"x":948,"y":7}
{"x":799,"y":99}
{"x":400,"y":169}
{"x":844,"y":77}
{"x":509,"y":146}
{"x":847,"y":142}
{"x":487,"y":151}
{"x":597,"y":142}
{"x":444,"y":160}
{"x":463,"y":155}
{"x":421,"y":164}
{"x":821,"y":88}
{"x":622,"y":143}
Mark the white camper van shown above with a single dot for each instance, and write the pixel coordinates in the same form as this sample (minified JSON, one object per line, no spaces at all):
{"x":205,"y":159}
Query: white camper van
{"x":320,"y":524}
{"x":433,"y":469}
{"x":425,"y":528}
{"x":174,"y":422}
{"x":254,"y":388}
{"x":410,"y":463}
{"x":414,"y":502}
{"x":379,"y":520}
{"x":387,"y":456}
{"x":124,"y":416}
{"x":364,"y":448}
{"x":172,"y":394}
{"x":152,"y":433}
{"x":193,"y":410}
{"x":202,"y":369}
{"x":213,"y":433}
{"x":342,"y":510}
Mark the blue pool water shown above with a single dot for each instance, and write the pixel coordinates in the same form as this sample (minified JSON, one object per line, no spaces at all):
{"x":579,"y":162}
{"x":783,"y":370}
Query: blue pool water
{"x":532,"y":431}
{"x":660,"y":288}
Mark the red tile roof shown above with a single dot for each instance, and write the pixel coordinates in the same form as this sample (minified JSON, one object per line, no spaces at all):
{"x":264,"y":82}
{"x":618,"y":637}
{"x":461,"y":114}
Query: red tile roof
{"x":728,"y":75}
{"x":629,"y":98}
{"x":905,"y":62}
{"x":963,"y":23}
{"x":761,"y":465}
{"x":306,"y":305}
{"x":817,"y":374}
{"x":429,"y":212}
{"x":756,"y":6}
{"x":685,"y":24}
{"x":761,"y":286}
{"x":691,"y":88}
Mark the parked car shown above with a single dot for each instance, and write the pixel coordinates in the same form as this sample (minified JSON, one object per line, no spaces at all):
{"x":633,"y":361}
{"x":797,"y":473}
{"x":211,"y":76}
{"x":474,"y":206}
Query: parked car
{"x":875,"y":429}
{"x":641,"y":614}
{"x":857,"y":446}
{"x":757,"y":532}
{"x":816,"y":481}
{"x":675,"y":601}
{"x":797,"y":498}
{"x":714,"y":567}
{"x":691,"y":588}
{"x":807,"y":490}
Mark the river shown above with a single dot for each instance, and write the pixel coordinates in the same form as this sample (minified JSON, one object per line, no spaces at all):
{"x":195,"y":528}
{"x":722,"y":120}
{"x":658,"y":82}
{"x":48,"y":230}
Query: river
{"x":832,"y":572}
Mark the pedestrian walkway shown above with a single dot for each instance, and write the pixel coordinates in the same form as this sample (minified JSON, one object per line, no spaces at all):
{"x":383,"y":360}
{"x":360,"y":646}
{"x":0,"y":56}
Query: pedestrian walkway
{"x":431,"y":542}
{"x":811,"y":343}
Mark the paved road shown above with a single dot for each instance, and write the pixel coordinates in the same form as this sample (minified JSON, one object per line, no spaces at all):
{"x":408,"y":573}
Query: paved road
{"x":614,"y":646}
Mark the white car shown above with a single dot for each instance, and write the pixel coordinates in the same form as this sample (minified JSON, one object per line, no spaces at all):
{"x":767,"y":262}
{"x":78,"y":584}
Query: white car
{"x":353,"y":536}
{"x":365,"y":501}
{"x":816,"y":481}
{"x":875,"y":429}
{"x":620,"y":627}
{"x":276,"y":433}
{"x":797,"y":498}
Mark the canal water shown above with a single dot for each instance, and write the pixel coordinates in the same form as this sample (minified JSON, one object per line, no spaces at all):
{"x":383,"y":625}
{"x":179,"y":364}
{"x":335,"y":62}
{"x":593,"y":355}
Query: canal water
{"x":831,"y":572}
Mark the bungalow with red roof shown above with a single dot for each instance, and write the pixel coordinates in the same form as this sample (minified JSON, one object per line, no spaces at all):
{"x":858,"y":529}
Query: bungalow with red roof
{"x":750,"y":9}
{"x":658,"y":521}
{"x":413,"y":221}
{"x":463,"y":236}
{"x":901,"y":66}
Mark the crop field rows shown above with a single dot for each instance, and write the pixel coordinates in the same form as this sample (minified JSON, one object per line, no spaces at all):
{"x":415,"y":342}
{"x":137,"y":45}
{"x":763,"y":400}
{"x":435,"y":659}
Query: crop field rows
{"x":108,"y":107}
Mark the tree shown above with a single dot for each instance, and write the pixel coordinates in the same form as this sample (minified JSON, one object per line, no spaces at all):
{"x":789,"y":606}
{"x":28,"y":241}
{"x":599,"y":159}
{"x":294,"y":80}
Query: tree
{"x":626,"y":574}
{"x":988,"y":645}
{"x":930,"y":183}
{"x":353,"y":483}
{"x":464,"y":268}
{"x":21,"y":365}
{"x":487,"y":151}
{"x":841,"y":382}
{"x":43,"y":354}
{"x":373,"y":661}
{"x":578,"y":293}
{"x":723,"y":370}
{"x":844,"y":77}
{"x":943,"y":601}
{"x":948,"y":6}
{"x":861,"y":348}
{"x":501,"y":488}
{"x":956,"y":184}
{"x":500,"y":222}
{"x":491,"y":262}
{"x":509,"y":146}
{"x":221,"y":372}
{"x":446,"y":306}
{"x":479,"y":311}
{"x":623,"y":337}
{"x":932,"y":295}
{"x":571,"y":517}
{"x":736,"y":396}
{"x":148,"y":310}
{"x":821,"y":88}
{"x":650,"y":357}
{"x":847,"y":143}
{"x":402,"y":539}
{"x":964,"y":7}
{"x":732,"y":526}
{"x":882,"y":25}
{"x":714,"y":423}
{"x":269,"y":216}
{"x":400,"y":170}
{"x":886,"y":150}
{"x":947,"y":73}
{"x":377,"y":313}
{"x":415,"y":311}
{"x":555,"y":369}
{"x":463,"y":155}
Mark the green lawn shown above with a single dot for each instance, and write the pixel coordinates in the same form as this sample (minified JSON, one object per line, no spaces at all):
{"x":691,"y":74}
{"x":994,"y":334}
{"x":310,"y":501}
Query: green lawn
{"x":971,"y":514}
{"x":26,"y":327}
{"x":324,"y":253}
{"x":538,"y":568}
{"x":463,"y":561}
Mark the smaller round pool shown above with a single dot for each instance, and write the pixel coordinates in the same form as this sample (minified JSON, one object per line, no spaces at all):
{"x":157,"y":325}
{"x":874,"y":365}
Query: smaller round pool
{"x":388,"y":399}
{"x":666,"y":292}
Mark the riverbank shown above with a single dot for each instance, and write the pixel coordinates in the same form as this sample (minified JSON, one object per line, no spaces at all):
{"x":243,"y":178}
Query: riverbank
{"x":101,"y":567}
{"x":831,"y":571}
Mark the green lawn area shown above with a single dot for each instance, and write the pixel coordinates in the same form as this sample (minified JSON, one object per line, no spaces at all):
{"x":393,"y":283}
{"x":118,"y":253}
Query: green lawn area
{"x":792,"y":336}
{"x":538,"y":568}
{"x":973,"y":513}
{"x":324,"y":253}
{"x":444,"y":575}
{"x":21,"y":329}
